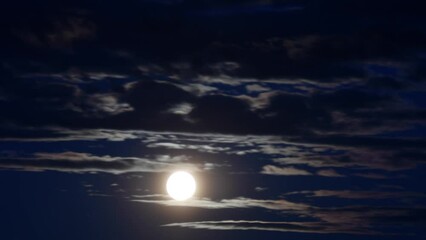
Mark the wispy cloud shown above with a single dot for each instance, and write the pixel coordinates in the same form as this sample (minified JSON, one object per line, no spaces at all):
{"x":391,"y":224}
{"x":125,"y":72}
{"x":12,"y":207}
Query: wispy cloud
{"x":77,"y":162}
{"x":250,"y":225}
{"x":286,"y":171}
{"x":329,"y":173}
{"x":348,"y":220}
{"x":351,"y":194}
{"x":225,"y":203}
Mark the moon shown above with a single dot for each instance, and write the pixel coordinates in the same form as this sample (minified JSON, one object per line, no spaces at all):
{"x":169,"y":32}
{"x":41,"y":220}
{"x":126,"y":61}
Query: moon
{"x":181,"y":186}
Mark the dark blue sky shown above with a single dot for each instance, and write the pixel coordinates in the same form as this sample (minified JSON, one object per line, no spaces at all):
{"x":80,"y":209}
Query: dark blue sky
{"x":299,"y":119}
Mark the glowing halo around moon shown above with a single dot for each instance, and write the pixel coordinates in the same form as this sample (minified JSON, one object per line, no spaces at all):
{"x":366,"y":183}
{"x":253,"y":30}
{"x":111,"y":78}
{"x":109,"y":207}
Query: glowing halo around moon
{"x":181,"y":186}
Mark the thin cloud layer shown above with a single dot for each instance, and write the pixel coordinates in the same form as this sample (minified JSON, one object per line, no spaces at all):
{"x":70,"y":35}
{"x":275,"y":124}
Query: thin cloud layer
{"x":75,"y":162}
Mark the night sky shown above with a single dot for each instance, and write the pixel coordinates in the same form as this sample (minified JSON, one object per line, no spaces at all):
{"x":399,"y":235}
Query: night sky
{"x":299,"y":119}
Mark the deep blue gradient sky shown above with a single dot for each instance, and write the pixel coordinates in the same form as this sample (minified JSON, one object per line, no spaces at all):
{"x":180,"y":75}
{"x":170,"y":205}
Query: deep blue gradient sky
{"x":299,"y":119}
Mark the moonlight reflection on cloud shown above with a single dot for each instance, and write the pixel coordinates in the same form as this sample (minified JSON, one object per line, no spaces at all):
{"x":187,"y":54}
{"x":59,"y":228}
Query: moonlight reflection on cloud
{"x":181,"y":186}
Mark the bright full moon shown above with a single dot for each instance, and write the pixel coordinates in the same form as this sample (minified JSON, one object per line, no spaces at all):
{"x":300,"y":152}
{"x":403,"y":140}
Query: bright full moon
{"x":181,"y":186}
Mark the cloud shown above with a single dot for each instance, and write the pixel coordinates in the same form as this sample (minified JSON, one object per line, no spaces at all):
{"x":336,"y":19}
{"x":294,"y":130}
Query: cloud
{"x":198,"y":147}
{"x":352,"y":220}
{"x":329,"y":173}
{"x":286,"y":171}
{"x":162,"y":106}
{"x":76,"y":162}
{"x":181,"y":109}
{"x":100,"y":105}
{"x":257,"y":88}
{"x":60,"y":34}
{"x":152,"y":105}
{"x":240,"y":202}
{"x":275,"y":155}
{"x":250,"y":225}
{"x":371,"y":175}
{"x":349,"y":194}
{"x":260,"y":189}
{"x":54,"y":134}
